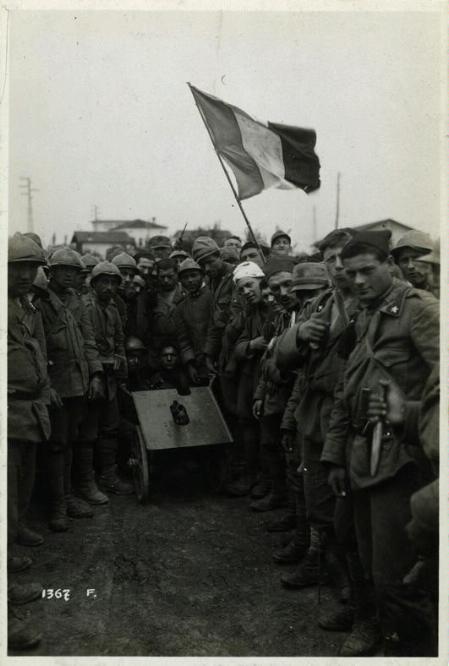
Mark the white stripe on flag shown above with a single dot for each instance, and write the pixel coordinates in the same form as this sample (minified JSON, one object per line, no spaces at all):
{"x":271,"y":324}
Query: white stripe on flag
{"x":265,"y":148}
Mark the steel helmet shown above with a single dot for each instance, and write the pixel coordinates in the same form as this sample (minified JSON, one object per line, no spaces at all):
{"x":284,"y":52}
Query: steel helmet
{"x":134,"y":344}
{"x":105,"y":268}
{"x":66,"y":257}
{"x":90,"y":260}
{"x":179,"y":253}
{"x":34,"y":237}
{"x":124,"y":260}
{"x":23,"y":249}
{"x":416,"y":240}
{"x":189,"y":265}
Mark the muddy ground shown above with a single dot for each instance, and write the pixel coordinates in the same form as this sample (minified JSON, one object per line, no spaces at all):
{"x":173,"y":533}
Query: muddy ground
{"x":189,"y":573}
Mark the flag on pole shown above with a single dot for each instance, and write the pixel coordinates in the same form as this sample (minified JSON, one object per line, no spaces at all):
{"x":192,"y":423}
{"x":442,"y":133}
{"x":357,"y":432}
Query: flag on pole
{"x":260,"y":156}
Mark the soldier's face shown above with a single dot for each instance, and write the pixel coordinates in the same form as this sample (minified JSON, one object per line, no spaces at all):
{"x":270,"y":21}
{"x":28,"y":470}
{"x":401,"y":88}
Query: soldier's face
{"x":191,"y":281}
{"x":105,"y":286}
{"x":169,"y":358}
{"x":280,"y":285}
{"x":281,"y":246}
{"x":65,"y":276}
{"x":21,"y":277}
{"x":162,"y":252}
{"x":335,"y":268}
{"x":145,"y":266}
{"x":167,"y":279}
{"x":127,"y":276}
{"x":212,"y":266}
{"x":249,"y":289}
{"x":415,"y":271}
{"x":233,"y":242}
{"x":369,"y":277}
{"x":251,"y":254}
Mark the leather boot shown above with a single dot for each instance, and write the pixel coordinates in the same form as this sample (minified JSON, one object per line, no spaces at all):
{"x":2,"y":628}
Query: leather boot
{"x":17,"y":564}
{"x":274,"y":500}
{"x":297,"y":548}
{"x":28,"y":537}
{"x":310,"y":570}
{"x":78,"y":508}
{"x":24,"y":593}
{"x":87,"y":488}
{"x":110,"y":482}
{"x":366,"y":636}
{"x":21,"y":634}
{"x":58,"y":511}
{"x":339,"y":619}
{"x":283,"y":524}
{"x":261,"y":488}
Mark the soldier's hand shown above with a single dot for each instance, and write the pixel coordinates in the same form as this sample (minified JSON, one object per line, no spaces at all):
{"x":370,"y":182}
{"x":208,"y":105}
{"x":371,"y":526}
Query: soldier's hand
{"x":210,"y":365}
{"x":392,"y":409}
{"x":55,"y":399}
{"x":96,"y":388}
{"x":257,"y":409}
{"x":337,"y":481}
{"x":287,"y":440}
{"x":313,"y":330}
{"x":193,"y":373}
{"x":258,"y":344}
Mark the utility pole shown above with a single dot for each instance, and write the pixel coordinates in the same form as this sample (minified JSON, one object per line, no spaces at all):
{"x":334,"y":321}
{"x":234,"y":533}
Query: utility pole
{"x":337,"y":208}
{"x":28,"y":192}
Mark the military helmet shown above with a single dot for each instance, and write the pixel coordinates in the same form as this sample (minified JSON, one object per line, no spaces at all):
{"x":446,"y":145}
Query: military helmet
{"x":124,"y":260}
{"x":90,"y":260}
{"x":189,"y":265}
{"x":416,"y":240}
{"x":35,"y":237}
{"x":105,"y":268}
{"x":23,"y":249}
{"x":66,"y":257}
{"x":134,"y":344}
{"x":179,"y":253}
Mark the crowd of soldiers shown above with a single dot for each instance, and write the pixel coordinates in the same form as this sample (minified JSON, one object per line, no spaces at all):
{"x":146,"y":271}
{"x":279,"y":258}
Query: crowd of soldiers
{"x":325,"y":366}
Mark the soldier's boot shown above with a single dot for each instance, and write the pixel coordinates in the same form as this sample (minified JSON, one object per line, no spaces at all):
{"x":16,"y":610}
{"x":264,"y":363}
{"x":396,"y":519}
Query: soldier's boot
{"x":28,"y":537}
{"x":298,"y":546}
{"x":366,"y":636}
{"x":21,"y":634}
{"x":107,"y":463}
{"x":76,"y":508}
{"x":337,"y":619}
{"x":58,"y":521}
{"x":310,"y":571}
{"x":24,"y":593}
{"x":277,"y":498}
{"x":87,"y":488}
{"x":17,"y":564}
{"x":289,"y":521}
{"x":261,"y":488}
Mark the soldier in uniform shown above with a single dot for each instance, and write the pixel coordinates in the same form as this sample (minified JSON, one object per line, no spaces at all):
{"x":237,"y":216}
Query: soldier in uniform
{"x":160,"y":246}
{"x":250,"y":252}
{"x":192,"y":317}
{"x":408,"y":253}
{"x":101,"y":427}
{"x":75,"y":372}
{"x":29,"y":394}
{"x":396,"y":344}
{"x":161,"y":330}
{"x":281,"y":243}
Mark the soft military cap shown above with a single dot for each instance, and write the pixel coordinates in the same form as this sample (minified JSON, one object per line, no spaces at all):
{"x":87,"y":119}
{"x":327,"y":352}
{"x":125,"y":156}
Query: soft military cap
{"x":189,"y":265}
{"x":105,"y":268}
{"x":309,"y":275}
{"x":159,"y":241}
{"x":280,"y":234}
{"x":204,"y":247}
{"x":124,"y":260}
{"x":377,"y":240}
{"x":90,"y":260}
{"x":278,"y":264}
{"x":23,"y":249}
{"x":247,"y":269}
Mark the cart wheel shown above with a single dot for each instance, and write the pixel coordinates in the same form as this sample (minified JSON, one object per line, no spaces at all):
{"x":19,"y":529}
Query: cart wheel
{"x":140,"y":470}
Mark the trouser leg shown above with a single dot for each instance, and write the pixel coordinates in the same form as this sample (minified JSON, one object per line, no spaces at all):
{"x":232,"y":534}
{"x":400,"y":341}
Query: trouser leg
{"x":14,"y":465}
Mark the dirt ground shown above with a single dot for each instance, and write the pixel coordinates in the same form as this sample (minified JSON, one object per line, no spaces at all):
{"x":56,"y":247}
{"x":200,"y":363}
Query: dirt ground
{"x":189,"y":573}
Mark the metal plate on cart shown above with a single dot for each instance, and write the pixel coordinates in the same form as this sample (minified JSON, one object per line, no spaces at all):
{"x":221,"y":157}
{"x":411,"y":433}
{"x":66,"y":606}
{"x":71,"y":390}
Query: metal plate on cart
{"x":207,"y":425}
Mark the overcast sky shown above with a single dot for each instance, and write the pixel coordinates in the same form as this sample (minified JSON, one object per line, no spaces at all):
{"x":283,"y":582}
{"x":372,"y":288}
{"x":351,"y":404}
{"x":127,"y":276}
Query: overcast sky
{"x":101,"y":115}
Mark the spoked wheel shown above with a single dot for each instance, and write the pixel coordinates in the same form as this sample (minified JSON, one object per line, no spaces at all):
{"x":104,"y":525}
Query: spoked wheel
{"x":139,"y":465}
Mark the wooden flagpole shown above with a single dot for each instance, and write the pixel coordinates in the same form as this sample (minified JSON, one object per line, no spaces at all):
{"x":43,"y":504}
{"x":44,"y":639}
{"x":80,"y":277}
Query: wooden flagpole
{"x":248,"y":224}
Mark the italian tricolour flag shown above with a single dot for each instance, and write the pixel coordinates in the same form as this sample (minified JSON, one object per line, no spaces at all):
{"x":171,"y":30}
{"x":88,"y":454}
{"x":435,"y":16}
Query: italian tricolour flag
{"x":260,"y":156}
